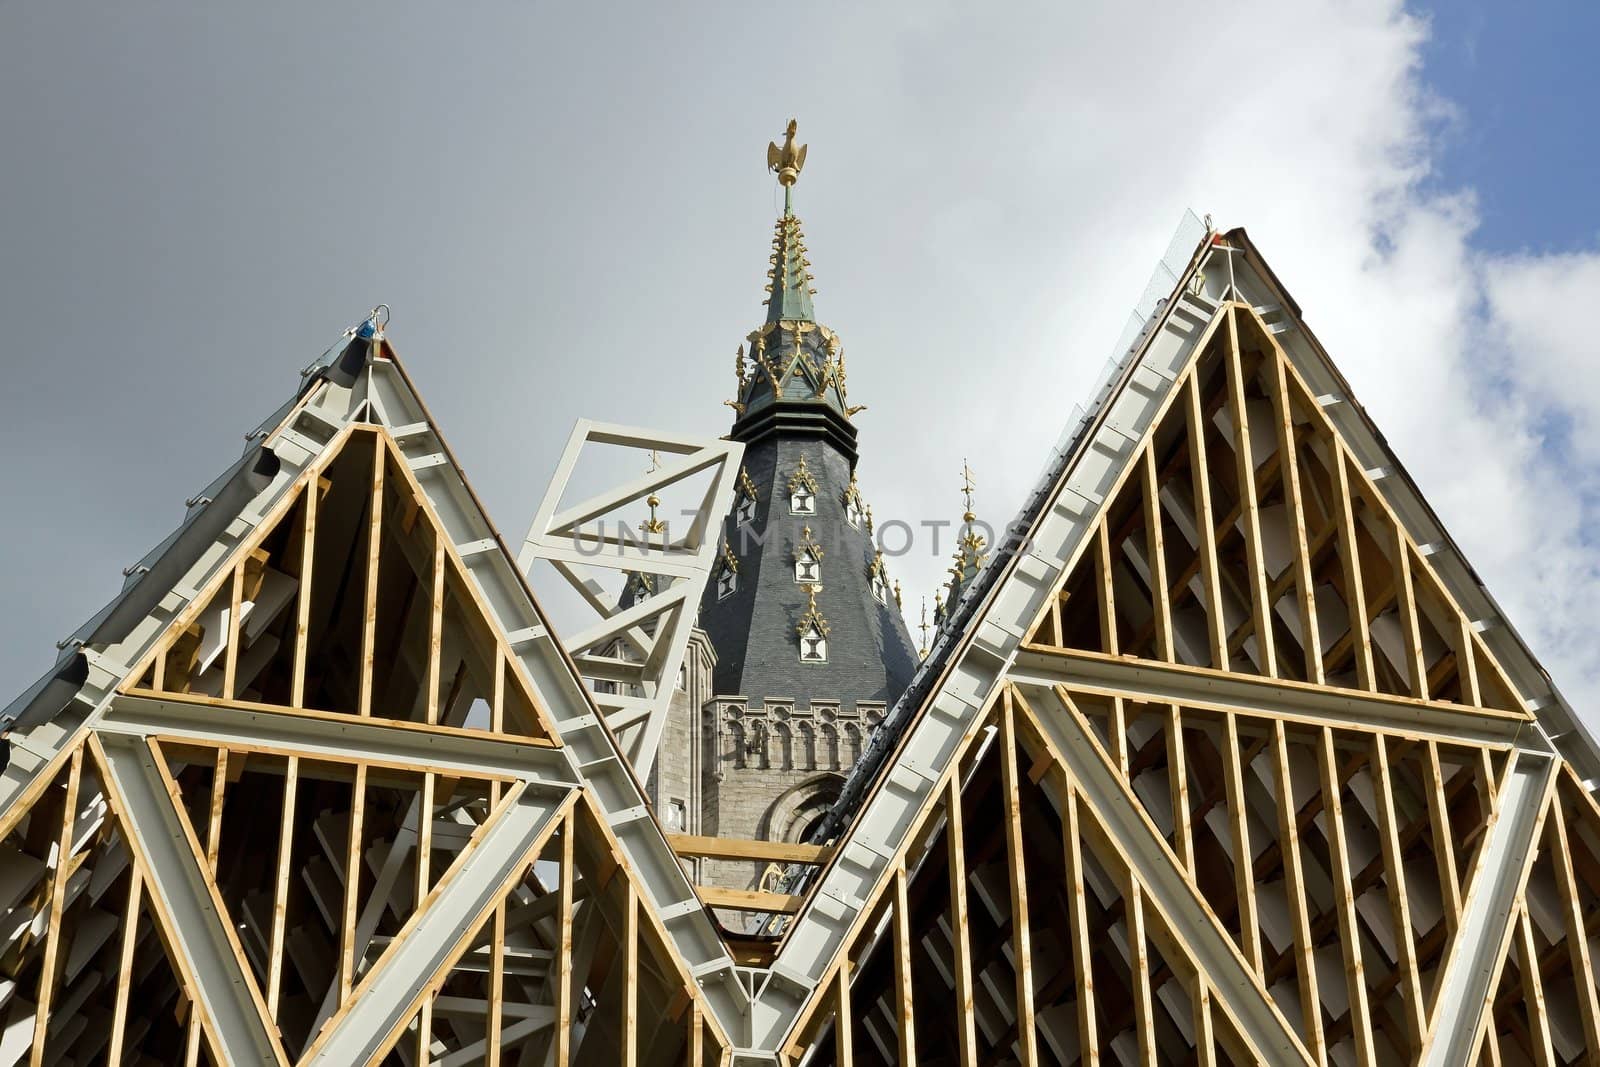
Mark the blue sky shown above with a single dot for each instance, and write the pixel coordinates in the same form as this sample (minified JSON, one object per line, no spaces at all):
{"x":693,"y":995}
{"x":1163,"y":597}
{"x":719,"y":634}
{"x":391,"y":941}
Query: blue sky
{"x":1525,"y":88}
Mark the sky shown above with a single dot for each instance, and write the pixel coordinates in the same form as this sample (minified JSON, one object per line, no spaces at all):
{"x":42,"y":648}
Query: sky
{"x":566,"y":209}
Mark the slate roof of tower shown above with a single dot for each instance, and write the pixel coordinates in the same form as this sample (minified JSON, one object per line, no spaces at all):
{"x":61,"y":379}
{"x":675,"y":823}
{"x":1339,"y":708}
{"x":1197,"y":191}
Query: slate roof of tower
{"x":793,"y":409}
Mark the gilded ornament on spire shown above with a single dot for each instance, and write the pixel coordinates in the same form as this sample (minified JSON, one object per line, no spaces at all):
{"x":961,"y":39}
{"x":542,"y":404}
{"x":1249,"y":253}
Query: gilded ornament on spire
{"x":653,"y":524}
{"x":789,"y":160}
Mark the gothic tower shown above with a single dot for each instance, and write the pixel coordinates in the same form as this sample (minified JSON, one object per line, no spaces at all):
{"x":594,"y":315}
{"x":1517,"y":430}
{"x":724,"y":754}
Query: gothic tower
{"x":801,"y":619}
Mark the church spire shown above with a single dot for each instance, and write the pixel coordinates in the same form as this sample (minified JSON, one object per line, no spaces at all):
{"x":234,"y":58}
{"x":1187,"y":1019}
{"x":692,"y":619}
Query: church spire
{"x":789,"y":274}
{"x":791,"y":378}
{"x":971,"y":547}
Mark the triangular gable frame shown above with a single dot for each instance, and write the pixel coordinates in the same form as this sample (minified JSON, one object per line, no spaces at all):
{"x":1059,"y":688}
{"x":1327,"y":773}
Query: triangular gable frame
{"x":338,"y":396}
{"x":974,"y":663}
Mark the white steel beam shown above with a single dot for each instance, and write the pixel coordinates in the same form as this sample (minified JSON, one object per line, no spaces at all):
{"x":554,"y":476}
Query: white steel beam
{"x":343,"y":738}
{"x":1166,"y":884}
{"x":1477,"y":954}
{"x":199,"y":932}
{"x":389,"y":993}
{"x":1165,"y":683}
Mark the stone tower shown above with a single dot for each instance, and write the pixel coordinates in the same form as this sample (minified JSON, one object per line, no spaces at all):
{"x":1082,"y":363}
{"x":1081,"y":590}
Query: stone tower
{"x":804,"y":648}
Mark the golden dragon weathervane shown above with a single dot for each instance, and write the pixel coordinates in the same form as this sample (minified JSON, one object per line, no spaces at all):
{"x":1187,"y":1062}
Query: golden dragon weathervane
{"x":788,"y":160}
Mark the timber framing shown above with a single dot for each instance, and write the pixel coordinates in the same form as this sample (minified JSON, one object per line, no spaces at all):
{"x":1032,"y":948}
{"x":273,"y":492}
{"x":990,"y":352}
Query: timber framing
{"x":1226,"y":759}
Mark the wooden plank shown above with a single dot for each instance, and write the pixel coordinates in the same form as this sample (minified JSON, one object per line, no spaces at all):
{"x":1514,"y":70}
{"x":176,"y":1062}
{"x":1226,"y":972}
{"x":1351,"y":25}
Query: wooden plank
{"x":130,"y":940}
{"x":1155,"y":549}
{"x":630,"y":963}
{"x":369,"y":611}
{"x":1082,"y":947}
{"x":219,"y":785}
{"x":1443,"y":850}
{"x":352,"y":884}
{"x":1289,"y":464}
{"x":563,"y":997}
{"x":1406,"y":605}
{"x":1105,"y":593}
{"x":1211,"y":601}
{"x":425,"y":804}
{"x":750,"y":900}
{"x":50,"y":971}
{"x":1178,"y":787}
{"x":1345,"y":901}
{"x":1016,"y":874}
{"x":1239,"y":837}
{"x":1466,"y":662}
{"x":280,"y":885}
{"x":1295,"y":889}
{"x":302,"y":620}
{"x":1139,"y":965}
{"x":1388,"y":820}
{"x":1350,"y":561}
{"x":956,"y":847}
{"x":230,"y":655}
{"x":1260,"y":605}
{"x":1573,"y":902}
{"x":905,"y":1021}
{"x":736,"y":848}
{"x":1543,"y":1046}
{"x":496,"y":982}
{"x":436,"y":626}
{"x":843,"y":1040}
{"x":1205,"y":1036}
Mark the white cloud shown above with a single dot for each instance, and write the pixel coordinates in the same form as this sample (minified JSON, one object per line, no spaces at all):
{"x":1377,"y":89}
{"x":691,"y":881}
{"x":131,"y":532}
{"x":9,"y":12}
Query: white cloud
{"x":1312,"y":126}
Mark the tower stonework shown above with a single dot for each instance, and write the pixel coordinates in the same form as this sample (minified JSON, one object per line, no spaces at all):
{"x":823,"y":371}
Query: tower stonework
{"x":804,"y":646}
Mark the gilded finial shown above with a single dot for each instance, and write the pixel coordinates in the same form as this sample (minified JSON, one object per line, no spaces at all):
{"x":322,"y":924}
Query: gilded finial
{"x":653,"y":524}
{"x":738,"y":368}
{"x":788,"y":160}
{"x":967,"y":486}
{"x":922,"y":653}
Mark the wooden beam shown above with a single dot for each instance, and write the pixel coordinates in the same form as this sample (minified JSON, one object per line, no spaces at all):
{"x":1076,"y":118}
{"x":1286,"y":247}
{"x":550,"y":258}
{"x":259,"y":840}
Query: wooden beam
{"x":435,"y":626}
{"x":734,"y":848}
{"x":280,"y":885}
{"x":1260,"y":606}
{"x":563,"y":994}
{"x":1416,"y":1008}
{"x":1539,"y":1035}
{"x":496,"y":982}
{"x":1239,"y":838}
{"x":1155,"y":550}
{"x":1139,"y":966}
{"x":1289,"y":464}
{"x":50,"y":970}
{"x":750,"y":900}
{"x":1105,"y":592}
{"x":1344,"y":900}
{"x":1178,"y":784}
{"x":1078,"y":914}
{"x":843,"y":1043}
{"x":1016,"y":874}
{"x":1211,"y":602}
{"x":1350,"y":560}
{"x":1295,"y":889}
{"x":1443,"y":848}
{"x":630,"y":963}
{"x":956,"y":857}
{"x":354,"y":862}
{"x":130,"y":941}
{"x":1572,"y":903}
{"x":904,"y":1002}
{"x":302,"y":619}
{"x":230,"y":655}
{"x":369,"y":611}
{"x":1406,"y":606}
